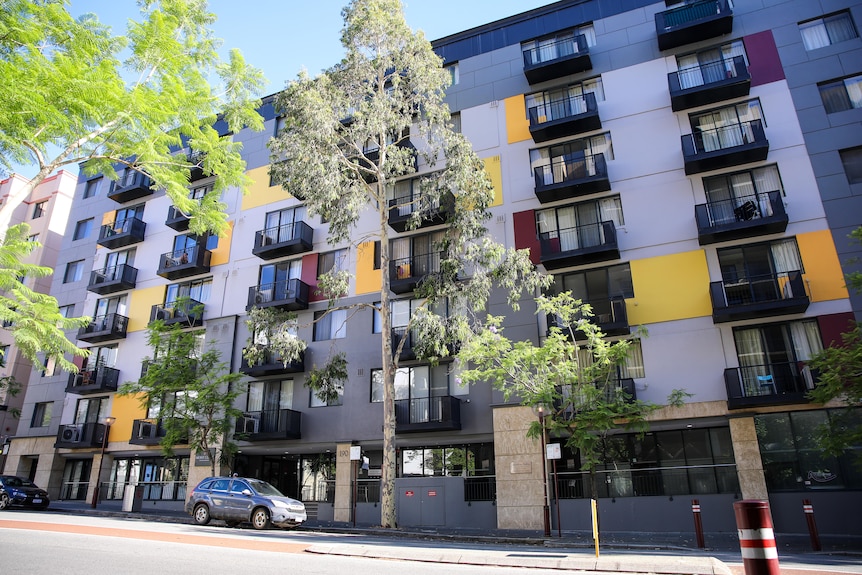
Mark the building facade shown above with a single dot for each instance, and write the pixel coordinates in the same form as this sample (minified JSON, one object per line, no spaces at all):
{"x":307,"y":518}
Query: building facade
{"x":692,"y":169}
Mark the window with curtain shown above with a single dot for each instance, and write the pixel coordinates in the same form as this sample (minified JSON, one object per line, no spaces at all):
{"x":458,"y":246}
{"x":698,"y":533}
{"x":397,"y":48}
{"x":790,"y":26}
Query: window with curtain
{"x":726,"y":127}
{"x":727,"y":193}
{"x":572,"y":159}
{"x":710,"y":65}
{"x":580,"y":225}
{"x":759,"y":262}
{"x":827,"y":30}
{"x":198,"y":290}
{"x":279,"y":226}
{"x":333,"y":261}
{"x":771,"y":356}
{"x":561,"y":44}
{"x":842,"y":94}
{"x":562,"y":102}
{"x":330,"y":325}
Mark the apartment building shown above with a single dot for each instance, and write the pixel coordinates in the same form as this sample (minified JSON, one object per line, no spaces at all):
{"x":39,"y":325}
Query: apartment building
{"x":46,"y":211}
{"x":686,"y":168}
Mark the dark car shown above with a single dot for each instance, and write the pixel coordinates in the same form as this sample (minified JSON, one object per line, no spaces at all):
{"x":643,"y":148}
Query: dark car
{"x":23,"y":492}
{"x":240,"y":499}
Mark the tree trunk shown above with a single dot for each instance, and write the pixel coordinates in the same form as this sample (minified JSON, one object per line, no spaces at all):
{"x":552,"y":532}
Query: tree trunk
{"x":389,"y":471}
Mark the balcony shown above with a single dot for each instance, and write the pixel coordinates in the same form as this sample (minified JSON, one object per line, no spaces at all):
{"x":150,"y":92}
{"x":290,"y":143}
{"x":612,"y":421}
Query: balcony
{"x":272,"y":365}
{"x":147,"y":432}
{"x":407,"y":273}
{"x":579,"y":245}
{"x":291,"y":295}
{"x":758,"y":297}
{"x":187,"y":312}
{"x":177,"y":220}
{"x":783,"y":383}
{"x":693,"y":22}
{"x":745,"y":217}
{"x":609,"y":315}
{"x":80,"y":435}
{"x":130,"y":188}
{"x":708,"y":83}
{"x":397,"y":333}
{"x":564,"y":117}
{"x":613,"y":390}
{"x":104,"y":328}
{"x":419,"y":211}
{"x":268,"y":425}
{"x":196,"y":172}
{"x":286,"y":240}
{"x":122,"y":233}
{"x":89,"y":381}
{"x":571,"y":176}
{"x":185,"y":262}
{"x":113,"y":279}
{"x":724,"y":147}
{"x":428,"y":414}
{"x":556,"y":59}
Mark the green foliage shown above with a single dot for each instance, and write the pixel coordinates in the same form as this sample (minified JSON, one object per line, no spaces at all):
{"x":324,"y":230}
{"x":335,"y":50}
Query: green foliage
{"x":576,"y":399}
{"x":9,"y":387}
{"x":328,"y":380}
{"x":32,"y":318}
{"x":348,"y":135}
{"x":191,"y":390}
{"x":67,"y":98}
{"x":272,"y":337}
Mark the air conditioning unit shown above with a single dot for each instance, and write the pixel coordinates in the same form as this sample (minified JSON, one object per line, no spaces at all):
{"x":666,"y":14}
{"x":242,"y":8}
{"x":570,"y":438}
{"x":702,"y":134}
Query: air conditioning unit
{"x":163,"y":314}
{"x":72,"y":434}
{"x":250,"y":424}
{"x":146,"y":430}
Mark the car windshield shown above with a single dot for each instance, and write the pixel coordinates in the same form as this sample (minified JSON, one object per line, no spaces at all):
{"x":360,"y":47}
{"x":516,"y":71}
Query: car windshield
{"x":17,"y":482}
{"x":264,"y":488}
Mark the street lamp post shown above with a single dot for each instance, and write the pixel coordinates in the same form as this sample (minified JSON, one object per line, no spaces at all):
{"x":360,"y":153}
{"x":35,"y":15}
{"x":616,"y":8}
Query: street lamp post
{"x":546,"y":510}
{"x":108,"y":422}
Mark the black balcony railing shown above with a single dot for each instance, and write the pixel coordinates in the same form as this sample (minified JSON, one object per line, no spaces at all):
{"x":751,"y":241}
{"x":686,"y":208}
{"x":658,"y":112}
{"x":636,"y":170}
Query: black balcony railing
{"x":708,"y":83}
{"x":288,"y":294}
{"x":273,"y":365}
{"x":429,"y":210}
{"x":781,"y":383}
{"x":131,"y":186}
{"x":556,"y":59}
{"x":571,"y":176}
{"x":104,"y":328}
{"x":564,"y":117}
{"x":428,"y":414}
{"x":480,"y":488}
{"x":113,"y":279}
{"x":187,"y":312}
{"x":285,"y":240}
{"x":406,"y":273}
{"x":147,"y":432}
{"x":758,"y":296}
{"x":693,"y":22}
{"x":177,"y":220}
{"x":609,"y":314}
{"x":742,"y":217}
{"x":620,"y":390}
{"x":88,"y":381}
{"x":122,"y":233}
{"x":185,"y":262}
{"x":589,"y":243}
{"x":269,"y":424}
{"x":723,"y":147}
{"x":78,"y":435}
{"x":409,"y":336}
{"x":644,"y":481}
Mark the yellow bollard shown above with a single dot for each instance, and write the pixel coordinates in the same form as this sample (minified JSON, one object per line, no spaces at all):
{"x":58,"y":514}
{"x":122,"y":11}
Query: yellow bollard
{"x":595,"y":526}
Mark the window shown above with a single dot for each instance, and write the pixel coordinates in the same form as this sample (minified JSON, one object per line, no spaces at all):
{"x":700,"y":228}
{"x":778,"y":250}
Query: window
{"x":109,"y":305}
{"x":331,"y":262}
{"x":632,"y":367}
{"x":840,"y":95}
{"x":123,"y":217}
{"x":471,"y":460}
{"x":593,"y":286}
{"x":198,"y":290}
{"x":279,"y":125}
{"x":851,"y":158}
{"x":199,"y":192}
{"x":42,"y":414}
{"x":74,"y":271}
{"x":572,"y":159}
{"x":761,"y":267}
{"x":33,"y":238}
{"x":279,"y":281}
{"x":331,"y":325}
{"x":377,"y":256}
{"x":416,"y":256}
{"x":91,"y":188}
{"x":91,"y":410}
{"x":580,"y":225}
{"x":454,"y":76}
{"x":712,"y":65}
{"x":280,"y":226}
{"x":39,"y":209}
{"x":728,"y":127}
{"x":102,"y":356}
{"x":728,"y":195}
{"x":336,"y":399}
{"x":827,"y":30}
{"x":563,"y":102}
{"x":82,"y":229}
{"x":455,"y":119}
{"x":4,"y":355}
{"x":558,"y":45}
{"x":67,"y":310}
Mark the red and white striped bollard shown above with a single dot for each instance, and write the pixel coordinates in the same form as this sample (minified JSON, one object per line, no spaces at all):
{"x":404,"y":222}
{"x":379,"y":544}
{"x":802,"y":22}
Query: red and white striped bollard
{"x":756,"y":537}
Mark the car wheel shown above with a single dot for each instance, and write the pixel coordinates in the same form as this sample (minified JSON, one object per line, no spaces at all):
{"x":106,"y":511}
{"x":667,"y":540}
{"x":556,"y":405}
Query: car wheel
{"x":202,"y":514}
{"x":4,"y":501}
{"x":260,"y":518}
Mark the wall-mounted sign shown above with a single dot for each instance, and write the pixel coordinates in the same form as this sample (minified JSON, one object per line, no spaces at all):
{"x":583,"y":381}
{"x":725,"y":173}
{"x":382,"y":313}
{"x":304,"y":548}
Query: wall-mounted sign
{"x":553,"y":451}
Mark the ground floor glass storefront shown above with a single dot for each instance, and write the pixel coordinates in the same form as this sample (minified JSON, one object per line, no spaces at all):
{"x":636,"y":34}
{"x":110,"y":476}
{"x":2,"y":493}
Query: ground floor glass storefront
{"x":160,"y":478}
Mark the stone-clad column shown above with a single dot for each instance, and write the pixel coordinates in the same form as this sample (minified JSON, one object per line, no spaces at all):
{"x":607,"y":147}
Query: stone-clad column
{"x":341,"y":507}
{"x":520,"y":489}
{"x":749,"y":465}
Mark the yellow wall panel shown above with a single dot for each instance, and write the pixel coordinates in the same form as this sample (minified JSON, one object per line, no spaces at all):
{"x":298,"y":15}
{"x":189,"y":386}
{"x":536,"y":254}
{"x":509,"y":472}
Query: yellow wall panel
{"x":517,"y":126}
{"x":221,"y":255}
{"x":670,"y":287}
{"x":368,"y":279}
{"x":141,"y":302}
{"x":126,"y":409}
{"x":495,"y":173}
{"x":260,"y":193}
{"x":822,"y":266}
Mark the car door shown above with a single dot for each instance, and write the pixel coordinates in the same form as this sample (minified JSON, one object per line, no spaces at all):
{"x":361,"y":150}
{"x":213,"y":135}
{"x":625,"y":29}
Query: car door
{"x":238,"y":507}
{"x":220,"y":499}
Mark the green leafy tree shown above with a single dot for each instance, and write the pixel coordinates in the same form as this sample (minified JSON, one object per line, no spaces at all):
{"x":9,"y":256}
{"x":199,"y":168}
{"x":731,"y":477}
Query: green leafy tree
{"x":839,"y":377}
{"x":190,"y":390}
{"x":349,"y":134}
{"x":32,"y":318}
{"x":571,"y":379}
{"x":272,"y":336}
{"x":67,"y":97}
